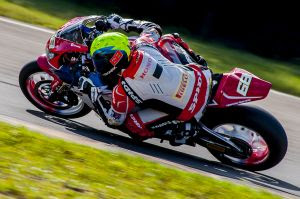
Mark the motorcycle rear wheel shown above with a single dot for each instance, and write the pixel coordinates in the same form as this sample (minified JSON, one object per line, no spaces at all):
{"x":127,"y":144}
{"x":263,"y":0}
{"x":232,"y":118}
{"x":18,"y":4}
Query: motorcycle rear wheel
{"x":35,"y":83}
{"x":253,"y":125}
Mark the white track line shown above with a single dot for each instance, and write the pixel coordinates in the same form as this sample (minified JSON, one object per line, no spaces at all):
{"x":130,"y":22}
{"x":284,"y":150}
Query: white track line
{"x":11,"y":21}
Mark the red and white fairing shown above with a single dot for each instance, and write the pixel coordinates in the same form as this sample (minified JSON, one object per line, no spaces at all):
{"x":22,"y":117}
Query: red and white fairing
{"x":239,"y":86}
{"x":61,"y":46}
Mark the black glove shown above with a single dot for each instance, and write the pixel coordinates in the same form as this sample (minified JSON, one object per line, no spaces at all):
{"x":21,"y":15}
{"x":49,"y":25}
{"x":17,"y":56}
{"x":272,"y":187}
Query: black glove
{"x":102,"y":25}
{"x":200,"y":60}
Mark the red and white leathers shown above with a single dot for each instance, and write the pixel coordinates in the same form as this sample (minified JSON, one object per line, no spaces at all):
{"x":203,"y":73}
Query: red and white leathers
{"x":162,"y":88}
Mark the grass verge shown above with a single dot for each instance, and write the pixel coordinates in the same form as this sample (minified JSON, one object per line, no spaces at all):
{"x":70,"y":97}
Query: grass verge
{"x":36,"y":166}
{"x":52,"y":14}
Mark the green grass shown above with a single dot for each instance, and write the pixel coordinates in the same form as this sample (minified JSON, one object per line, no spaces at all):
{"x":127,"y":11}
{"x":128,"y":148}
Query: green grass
{"x":52,"y":14}
{"x":36,"y":166}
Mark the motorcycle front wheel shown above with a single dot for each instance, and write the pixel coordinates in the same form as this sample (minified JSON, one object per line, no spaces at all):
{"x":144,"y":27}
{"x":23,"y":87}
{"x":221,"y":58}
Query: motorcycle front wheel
{"x":252,"y":125}
{"x":36,"y":86}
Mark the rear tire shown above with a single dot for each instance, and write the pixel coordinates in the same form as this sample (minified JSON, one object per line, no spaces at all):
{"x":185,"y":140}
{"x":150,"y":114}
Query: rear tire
{"x":32,"y":68}
{"x":257,"y":120}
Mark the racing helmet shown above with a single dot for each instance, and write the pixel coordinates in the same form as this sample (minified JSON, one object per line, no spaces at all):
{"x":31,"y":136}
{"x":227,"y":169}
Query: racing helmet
{"x":110,"y":53}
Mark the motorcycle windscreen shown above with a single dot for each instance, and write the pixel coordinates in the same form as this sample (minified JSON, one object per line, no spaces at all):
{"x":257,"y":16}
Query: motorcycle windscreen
{"x":240,"y":86}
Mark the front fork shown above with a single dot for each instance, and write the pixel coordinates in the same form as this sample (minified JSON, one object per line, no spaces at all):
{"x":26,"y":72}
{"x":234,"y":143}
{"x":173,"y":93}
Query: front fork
{"x":58,"y":87}
{"x":45,"y":66}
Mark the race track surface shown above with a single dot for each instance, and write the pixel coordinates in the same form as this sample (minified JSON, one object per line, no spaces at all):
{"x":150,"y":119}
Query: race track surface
{"x":20,"y":44}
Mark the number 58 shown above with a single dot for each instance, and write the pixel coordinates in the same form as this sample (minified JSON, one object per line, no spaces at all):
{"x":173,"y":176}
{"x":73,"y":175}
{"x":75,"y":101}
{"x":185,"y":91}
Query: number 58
{"x":244,"y":84}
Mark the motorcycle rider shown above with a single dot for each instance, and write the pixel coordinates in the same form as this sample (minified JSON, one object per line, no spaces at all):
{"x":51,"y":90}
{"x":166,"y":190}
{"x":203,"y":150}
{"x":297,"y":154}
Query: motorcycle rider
{"x":141,"y":77}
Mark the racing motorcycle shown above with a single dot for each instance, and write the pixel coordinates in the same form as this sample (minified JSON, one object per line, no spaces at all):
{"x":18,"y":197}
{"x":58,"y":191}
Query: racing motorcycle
{"x":242,"y":136}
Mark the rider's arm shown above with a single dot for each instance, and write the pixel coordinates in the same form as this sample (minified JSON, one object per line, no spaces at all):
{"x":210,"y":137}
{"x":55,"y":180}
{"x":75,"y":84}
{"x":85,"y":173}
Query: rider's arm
{"x":114,"y":113}
{"x":120,"y":106}
{"x":116,"y":22}
{"x":200,"y":60}
{"x":149,"y":32}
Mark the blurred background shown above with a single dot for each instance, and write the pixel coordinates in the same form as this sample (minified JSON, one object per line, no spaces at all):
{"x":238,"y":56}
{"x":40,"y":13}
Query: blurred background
{"x":266,"y":28}
{"x":269,"y":29}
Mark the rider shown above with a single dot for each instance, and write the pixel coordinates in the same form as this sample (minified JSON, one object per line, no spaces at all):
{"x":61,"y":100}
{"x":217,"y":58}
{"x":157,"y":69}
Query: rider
{"x":140,"y":76}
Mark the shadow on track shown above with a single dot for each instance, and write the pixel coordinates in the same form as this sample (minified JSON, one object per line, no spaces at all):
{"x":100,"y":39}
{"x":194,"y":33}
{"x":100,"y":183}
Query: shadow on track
{"x":194,"y":162}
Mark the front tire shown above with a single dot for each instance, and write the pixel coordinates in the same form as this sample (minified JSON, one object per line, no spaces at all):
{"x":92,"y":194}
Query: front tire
{"x":258,"y":121}
{"x":31,"y":78}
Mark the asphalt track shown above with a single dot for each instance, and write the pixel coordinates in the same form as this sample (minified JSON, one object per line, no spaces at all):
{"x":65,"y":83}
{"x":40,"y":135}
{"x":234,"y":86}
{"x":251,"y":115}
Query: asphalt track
{"x":21,"y":43}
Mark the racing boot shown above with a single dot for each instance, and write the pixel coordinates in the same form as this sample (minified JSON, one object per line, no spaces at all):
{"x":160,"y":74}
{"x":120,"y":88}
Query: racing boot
{"x":181,"y":134}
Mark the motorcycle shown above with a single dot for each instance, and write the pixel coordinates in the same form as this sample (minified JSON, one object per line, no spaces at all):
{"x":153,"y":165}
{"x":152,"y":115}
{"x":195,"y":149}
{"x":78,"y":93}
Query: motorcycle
{"x":242,"y":136}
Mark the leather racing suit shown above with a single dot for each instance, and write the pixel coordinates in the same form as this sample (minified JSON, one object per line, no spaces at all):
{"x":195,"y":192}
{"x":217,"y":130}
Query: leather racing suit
{"x":163,"y":91}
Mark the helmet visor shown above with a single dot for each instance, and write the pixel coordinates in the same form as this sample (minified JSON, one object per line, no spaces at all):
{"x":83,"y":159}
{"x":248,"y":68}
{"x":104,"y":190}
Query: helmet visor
{"x":102,"y":65}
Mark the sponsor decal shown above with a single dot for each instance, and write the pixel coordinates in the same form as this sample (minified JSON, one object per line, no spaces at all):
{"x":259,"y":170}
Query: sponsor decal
{"x":110,"y":71}
{"x":116,"y":58}
{"x":146,"y":69}
{"x":197,"y":92}
{"x":182,"y":86}
{"x":74,"y":45}
{"x":131,"y":94}
{"x":244,"y":84}
{"x":165,"y":123}
{"x":135,"y":121}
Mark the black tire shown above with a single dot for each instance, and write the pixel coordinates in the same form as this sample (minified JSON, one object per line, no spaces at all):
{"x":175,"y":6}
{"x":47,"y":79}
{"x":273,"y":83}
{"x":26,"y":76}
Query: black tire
{"x":257,"y":120}
{"x":25,"y":73}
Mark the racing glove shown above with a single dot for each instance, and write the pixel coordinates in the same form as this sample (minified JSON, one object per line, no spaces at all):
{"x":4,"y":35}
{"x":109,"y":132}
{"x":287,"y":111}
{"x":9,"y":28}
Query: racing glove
{"x":87,"y":85}
{"x":95,"y":89}
{"x":102,"y":24}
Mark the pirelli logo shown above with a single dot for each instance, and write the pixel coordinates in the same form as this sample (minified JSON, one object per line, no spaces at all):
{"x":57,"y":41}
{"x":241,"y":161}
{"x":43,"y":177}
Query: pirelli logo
{"x":182,"y":87}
